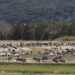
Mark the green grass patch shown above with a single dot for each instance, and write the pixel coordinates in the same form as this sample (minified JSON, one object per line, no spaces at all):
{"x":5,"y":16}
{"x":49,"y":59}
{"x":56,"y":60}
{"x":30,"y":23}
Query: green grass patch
{"x":38,"y":68}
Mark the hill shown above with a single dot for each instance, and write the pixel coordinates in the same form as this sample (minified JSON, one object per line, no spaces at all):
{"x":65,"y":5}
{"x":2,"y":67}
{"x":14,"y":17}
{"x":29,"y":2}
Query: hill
{"x":37,"y":10}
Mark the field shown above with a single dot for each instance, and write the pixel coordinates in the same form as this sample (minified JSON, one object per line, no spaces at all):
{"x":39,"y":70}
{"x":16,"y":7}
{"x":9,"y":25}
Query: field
{"x":67,"y":38}
{"x":59,"y":69}
{"x":28,"y":67}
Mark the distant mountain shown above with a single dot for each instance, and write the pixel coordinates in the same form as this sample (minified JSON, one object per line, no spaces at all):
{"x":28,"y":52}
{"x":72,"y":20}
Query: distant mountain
{"x":37,"y":10}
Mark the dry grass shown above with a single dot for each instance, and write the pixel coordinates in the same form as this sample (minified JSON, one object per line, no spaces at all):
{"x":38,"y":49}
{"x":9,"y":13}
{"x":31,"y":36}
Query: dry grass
{"x":67,"y":38}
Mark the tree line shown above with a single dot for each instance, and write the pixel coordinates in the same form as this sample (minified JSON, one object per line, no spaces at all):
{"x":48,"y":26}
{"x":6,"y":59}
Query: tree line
{"x":44,"y":30}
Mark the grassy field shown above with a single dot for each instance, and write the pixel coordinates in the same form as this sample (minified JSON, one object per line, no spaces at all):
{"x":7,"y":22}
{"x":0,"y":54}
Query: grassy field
{"x":38,"y":68}
{"x":66,"y":38}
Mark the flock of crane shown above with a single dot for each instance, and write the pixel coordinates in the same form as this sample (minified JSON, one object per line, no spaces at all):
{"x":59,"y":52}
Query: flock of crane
{"x":38,"y":52}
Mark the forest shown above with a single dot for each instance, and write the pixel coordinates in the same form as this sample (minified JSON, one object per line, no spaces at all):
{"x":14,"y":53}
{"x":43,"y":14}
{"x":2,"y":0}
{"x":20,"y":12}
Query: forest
{"x":43,"y":30}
